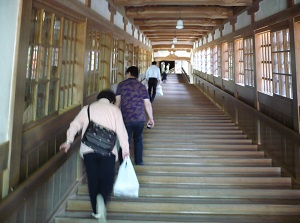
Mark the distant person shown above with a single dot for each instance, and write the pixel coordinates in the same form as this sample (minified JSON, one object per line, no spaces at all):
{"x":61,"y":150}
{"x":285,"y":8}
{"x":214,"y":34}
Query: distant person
{"x":164,"y":77}
{"x":133,"y":99}
{"x":100,"y":169}
{"x":153,"y":78}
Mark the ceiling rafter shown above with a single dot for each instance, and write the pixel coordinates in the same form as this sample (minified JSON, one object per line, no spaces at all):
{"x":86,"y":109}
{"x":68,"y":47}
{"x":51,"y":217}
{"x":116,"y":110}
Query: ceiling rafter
{"x":157,"y":19}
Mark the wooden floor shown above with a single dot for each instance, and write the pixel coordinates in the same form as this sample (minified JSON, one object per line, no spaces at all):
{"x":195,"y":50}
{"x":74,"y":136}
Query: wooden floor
{"x":198,"y":167}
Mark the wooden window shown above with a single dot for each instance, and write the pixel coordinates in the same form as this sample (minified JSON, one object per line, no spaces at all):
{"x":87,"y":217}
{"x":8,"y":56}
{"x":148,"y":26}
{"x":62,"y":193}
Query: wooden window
{"x":281,"y":63}
{"x":217,"y":60}
{"x":228,"y":62}
{"x":43,"y":63}
{"x":249,"y":62}
{"x":114,"y":62}
{"x":203,"y":61}
{"x":240,"y":62}
{"x":68,"y":91}
{"x":274,"y":63}
{"x":94,"y":83}
{"x":265,"y":63}
{"x":209,"y":61}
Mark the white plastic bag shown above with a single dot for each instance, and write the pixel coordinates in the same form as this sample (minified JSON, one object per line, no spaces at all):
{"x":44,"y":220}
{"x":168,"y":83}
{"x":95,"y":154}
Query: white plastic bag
{"x":159,"y":90}
{"x":127,"y":184}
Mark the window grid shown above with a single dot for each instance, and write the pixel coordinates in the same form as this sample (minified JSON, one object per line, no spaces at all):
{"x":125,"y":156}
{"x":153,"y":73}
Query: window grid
{"x":209,"y":60}
{"x":203,"y":61}
{"x":225,"y":61}
{"x":42,"y":74}
{"x":281,"y":63}
{"x":266,"y":63}
{"x":67,"y":82}
{"x":94,"y":83}
{"x":249,"y":62}
{"x":230,"y":61}
{"x":114,"y":64}
{"x":217,"y":60}
{"x":240,"y":62}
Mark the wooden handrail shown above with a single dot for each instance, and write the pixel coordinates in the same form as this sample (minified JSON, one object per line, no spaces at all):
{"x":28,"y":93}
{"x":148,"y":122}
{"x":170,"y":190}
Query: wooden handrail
{"x":16,"y":198}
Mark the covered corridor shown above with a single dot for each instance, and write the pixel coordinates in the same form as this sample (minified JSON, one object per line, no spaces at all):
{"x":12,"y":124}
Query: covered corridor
{"x":198,"y":167}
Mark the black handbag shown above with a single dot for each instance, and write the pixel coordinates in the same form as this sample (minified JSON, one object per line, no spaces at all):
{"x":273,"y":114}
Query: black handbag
{"x":101,"y":139}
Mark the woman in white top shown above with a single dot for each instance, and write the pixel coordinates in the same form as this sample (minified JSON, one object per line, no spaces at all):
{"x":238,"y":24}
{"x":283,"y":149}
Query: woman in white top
{"x":100,"y":169}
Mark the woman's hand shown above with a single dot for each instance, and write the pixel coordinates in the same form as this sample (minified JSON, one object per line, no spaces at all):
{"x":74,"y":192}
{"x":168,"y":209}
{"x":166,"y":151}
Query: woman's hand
{"x":65,"y":146}
{"x":125,"y":154}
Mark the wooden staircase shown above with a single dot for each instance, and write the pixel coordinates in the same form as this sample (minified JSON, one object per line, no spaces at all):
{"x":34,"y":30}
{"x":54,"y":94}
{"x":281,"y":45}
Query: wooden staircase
{"x":198,"y":167}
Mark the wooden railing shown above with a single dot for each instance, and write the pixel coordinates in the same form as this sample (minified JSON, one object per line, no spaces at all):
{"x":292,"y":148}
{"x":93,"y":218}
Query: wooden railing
{"x":43,"y":192}
{"x":278,"y":141}
{"x":185,"y":75}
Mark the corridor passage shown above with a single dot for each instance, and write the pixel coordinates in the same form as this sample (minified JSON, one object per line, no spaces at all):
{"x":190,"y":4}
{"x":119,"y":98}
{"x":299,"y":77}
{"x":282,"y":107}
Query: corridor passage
{"x":198,"y":167}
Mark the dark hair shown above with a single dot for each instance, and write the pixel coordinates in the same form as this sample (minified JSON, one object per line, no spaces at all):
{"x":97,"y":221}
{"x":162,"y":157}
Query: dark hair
{"x":154,"y":63}
{"x":108,"y":94}
{"x":133,"y":70}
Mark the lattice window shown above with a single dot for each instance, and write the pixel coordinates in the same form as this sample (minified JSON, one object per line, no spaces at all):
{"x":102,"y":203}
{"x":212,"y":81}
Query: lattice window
{"x":281,"y":63}
{"x":249,"y":62}
{"x":209,"y":61}
{"x":203,"y":61}
{"x":68,"y":90}
{"x":43,"y":63}
{"x":240,"y":62}
{"x":114,"y":62}
{"x":94,"y":83}
{"x":217,"y":60}
{"x":265,"y":63}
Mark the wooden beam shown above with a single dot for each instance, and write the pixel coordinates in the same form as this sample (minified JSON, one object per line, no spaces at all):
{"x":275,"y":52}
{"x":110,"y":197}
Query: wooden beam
{"x":181,"y":2}
{"x":168,"y":46}
{"x":173,"y":21}
{"x":187,"y":34}
{"x":182,"y":12}
{"x":173,"y":28}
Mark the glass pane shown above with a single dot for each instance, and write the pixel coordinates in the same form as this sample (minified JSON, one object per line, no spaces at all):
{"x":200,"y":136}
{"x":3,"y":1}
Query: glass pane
{"x":46,"y":32}
{"x":41,"y":101}
{"x":43,"y":62}
{"x":28,"y":110}
{"x":56,"y":32}
{"x":35,"y":25}
{"x":52,"y":96}
{"x":54,"y":63}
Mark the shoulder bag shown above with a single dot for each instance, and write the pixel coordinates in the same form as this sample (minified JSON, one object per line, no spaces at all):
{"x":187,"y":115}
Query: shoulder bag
{"x":99,"y":138}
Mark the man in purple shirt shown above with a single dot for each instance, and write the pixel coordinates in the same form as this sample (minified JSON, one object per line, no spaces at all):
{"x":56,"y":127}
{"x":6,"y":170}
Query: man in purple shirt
{"x":133,"y":98}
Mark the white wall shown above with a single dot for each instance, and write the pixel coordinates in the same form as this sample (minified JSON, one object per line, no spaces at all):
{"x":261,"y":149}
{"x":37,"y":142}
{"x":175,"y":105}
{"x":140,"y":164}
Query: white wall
{"x":101,"y":6}
{"x":270,"y":7}
{"x":8,"y":23}
{"x":243,"y":20}
{"x":129,"y":28}
{"x":210,"y":37}
{"x":227,"y":29}
{"x":118,"y":20}
{"x":217,"y":34}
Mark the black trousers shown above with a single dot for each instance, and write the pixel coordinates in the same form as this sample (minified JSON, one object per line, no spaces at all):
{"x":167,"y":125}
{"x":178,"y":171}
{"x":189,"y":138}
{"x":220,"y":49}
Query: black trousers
{"x":152,"y":84}
{"x":100,"y":175}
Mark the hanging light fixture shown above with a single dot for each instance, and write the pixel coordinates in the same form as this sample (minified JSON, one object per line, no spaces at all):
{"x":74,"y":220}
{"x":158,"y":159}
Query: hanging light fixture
{"x":173,"y":46}
{"x":175,"y":40}
{"x":179,"y":23}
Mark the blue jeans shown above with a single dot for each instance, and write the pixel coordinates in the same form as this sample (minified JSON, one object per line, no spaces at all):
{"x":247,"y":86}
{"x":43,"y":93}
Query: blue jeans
{"x":135,"y":130}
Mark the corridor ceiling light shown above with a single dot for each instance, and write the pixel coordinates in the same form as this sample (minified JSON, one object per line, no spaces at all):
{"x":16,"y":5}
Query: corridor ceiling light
{"x":175,"y":40}
{"x":172,"y":46}
{"x":179,"y":24}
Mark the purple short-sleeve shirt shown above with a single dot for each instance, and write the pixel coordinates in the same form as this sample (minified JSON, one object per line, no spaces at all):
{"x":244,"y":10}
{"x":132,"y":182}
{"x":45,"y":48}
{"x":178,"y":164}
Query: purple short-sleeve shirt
{"x":132,"y":94}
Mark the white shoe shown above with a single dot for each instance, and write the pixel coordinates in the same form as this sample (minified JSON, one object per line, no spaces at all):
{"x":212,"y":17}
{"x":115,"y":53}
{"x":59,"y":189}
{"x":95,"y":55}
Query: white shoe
{"x":101,"y":210}
{"x":96,"y":215}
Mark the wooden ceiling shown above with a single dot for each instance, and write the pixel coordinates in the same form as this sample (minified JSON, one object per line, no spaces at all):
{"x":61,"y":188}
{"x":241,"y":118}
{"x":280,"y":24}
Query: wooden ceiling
{"x":157,"y":19}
